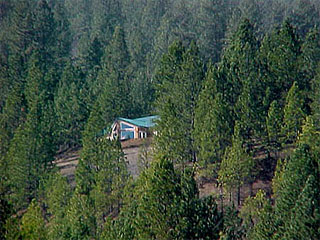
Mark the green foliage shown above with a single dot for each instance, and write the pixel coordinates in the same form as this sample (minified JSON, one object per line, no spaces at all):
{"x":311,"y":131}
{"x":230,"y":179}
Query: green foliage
{"x":57,"y":197}
{"x":304,"y":16}
{"x":179,"y":80}
{"x":291,"y":183}
{"x":5,"y":207}
{"x":80,"y":219}
{"x":239,"y":62}
{"x":12,"y":227}
{"x":293,"y":114}
{"x":309,"y":58}
{"x":232,"y":225}
{"x":110,"y":179}
{"x":164,"y":204}
{"x":43,"y":28}
{"x":260,"y":89}
{"x":31,"y":150}
{"x":113,"y":95}
{"x":274,"y":124}
{"x":315,"y":95}
{"x":279,"y":53}
{"x":257,"y":215}
{"x":213,"y":128}
{"x":304,"y":218}
{"x":156,"y":202}
{"x":236,"y":166}
{"x":212,"y":16}
{"x":145,"y":156}
{"x":32,"y":223}
{"x":70,"y":107}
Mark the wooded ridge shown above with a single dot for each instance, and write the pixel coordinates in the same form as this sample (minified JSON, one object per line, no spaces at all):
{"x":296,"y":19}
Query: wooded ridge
{"x":235,"y":90}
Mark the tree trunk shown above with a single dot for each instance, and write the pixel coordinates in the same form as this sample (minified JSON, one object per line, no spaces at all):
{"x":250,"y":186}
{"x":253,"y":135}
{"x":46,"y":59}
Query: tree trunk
{"x":238,"y":195}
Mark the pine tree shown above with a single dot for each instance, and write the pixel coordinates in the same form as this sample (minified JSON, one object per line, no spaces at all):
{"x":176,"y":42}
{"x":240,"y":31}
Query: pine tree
{"x":304,"y":218}
{"x":212,"y":127}
{"x":20,"y":32}
{"x":309,"y":58}
{"x":63,"y":36}
{"x":232,"y":225}
{"x":273,"y":124}
{"x":261,"y":214}
{"x":44,"y":28}
{"x":31,"y":150}
{"x":110,"y":178}
{"x":32,"y":223}
{"x":57,"y":197}
{"x":236,"y":166}
{"x":293,"y":179}
{"x":212,"y":17}
{"x":315,"y":96}
{"x":293,"y":114}
{"x":304,"y":16}
{"x":239,"y":62}
{"x":279,"y":54}
{"x":80,"y":220}
{"x":91,"y":67}
{"x":114,"y":92}
{"x":179,"y":79}
{"x":70,"y":106}
{"x":164,"y":204}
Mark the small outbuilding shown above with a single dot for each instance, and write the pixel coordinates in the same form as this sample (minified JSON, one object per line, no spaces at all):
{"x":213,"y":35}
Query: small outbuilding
{"x":125,"y":128}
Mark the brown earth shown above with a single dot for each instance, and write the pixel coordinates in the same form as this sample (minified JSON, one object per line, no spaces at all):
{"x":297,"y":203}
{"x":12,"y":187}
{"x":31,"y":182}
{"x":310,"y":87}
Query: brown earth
{"x":67,"y":162}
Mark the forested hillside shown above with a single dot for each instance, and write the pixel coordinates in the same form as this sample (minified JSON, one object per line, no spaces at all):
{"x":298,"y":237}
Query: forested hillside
{"x":236,"y":86}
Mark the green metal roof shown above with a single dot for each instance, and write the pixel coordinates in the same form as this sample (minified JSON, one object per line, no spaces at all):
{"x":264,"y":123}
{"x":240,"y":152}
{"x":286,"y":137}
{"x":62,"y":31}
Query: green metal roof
{"x":146,"y":122}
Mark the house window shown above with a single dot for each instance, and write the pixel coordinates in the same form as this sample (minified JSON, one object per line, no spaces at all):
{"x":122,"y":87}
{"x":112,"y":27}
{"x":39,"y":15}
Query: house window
{"x":125,"y":126}
{"x":142,"y":134}
{"x":127,"y":135}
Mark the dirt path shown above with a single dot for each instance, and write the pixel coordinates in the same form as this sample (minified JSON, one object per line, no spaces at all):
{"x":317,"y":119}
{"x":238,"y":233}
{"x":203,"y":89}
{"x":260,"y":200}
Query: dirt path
{"x":67,"y":161}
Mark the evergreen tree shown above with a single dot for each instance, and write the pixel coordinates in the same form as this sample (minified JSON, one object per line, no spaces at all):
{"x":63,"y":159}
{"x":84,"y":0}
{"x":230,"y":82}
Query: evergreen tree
{"x":304,"y":16}
{"x":279,"y":53}
{"x":113,"y":84}
{"x":80,"y":17}
{"x":239,"y":66}
{"x":273,"y":124}
{"x":232,"y":225}
{"x":315,"y":96}
{"x":179,"y":79}
{"x":236,"y":166}
{"x":167,"y":205}
{"x":293,"y":114}
{"x":291,"y":183}
{"x":32,"y":223}
{"x":258,"y":210}
{"x":110,"y":178}
{"x":20,"y":33}
{"x":304,"y":218}
{"x":308,"y":60}
{"x":70,"y":107}
{"x":176,"y":25}
{"x":212,"y":124}
{"x":31,"y":150}
{"x":91,"y":66}
{"x":63,"y":36}
{"x":44,"y":30}
{"x":81,"y":221}
{"x":107,"y":16}
{"x":57,"y":197}
{"x":213,"y":17}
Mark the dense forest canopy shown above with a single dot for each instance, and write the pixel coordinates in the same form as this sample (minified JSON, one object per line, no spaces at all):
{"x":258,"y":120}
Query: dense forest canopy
{"x":236,"y":86}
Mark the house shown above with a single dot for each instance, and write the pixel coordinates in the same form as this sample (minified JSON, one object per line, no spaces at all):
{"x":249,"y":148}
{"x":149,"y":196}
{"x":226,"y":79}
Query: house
{"x":125,"y":128}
